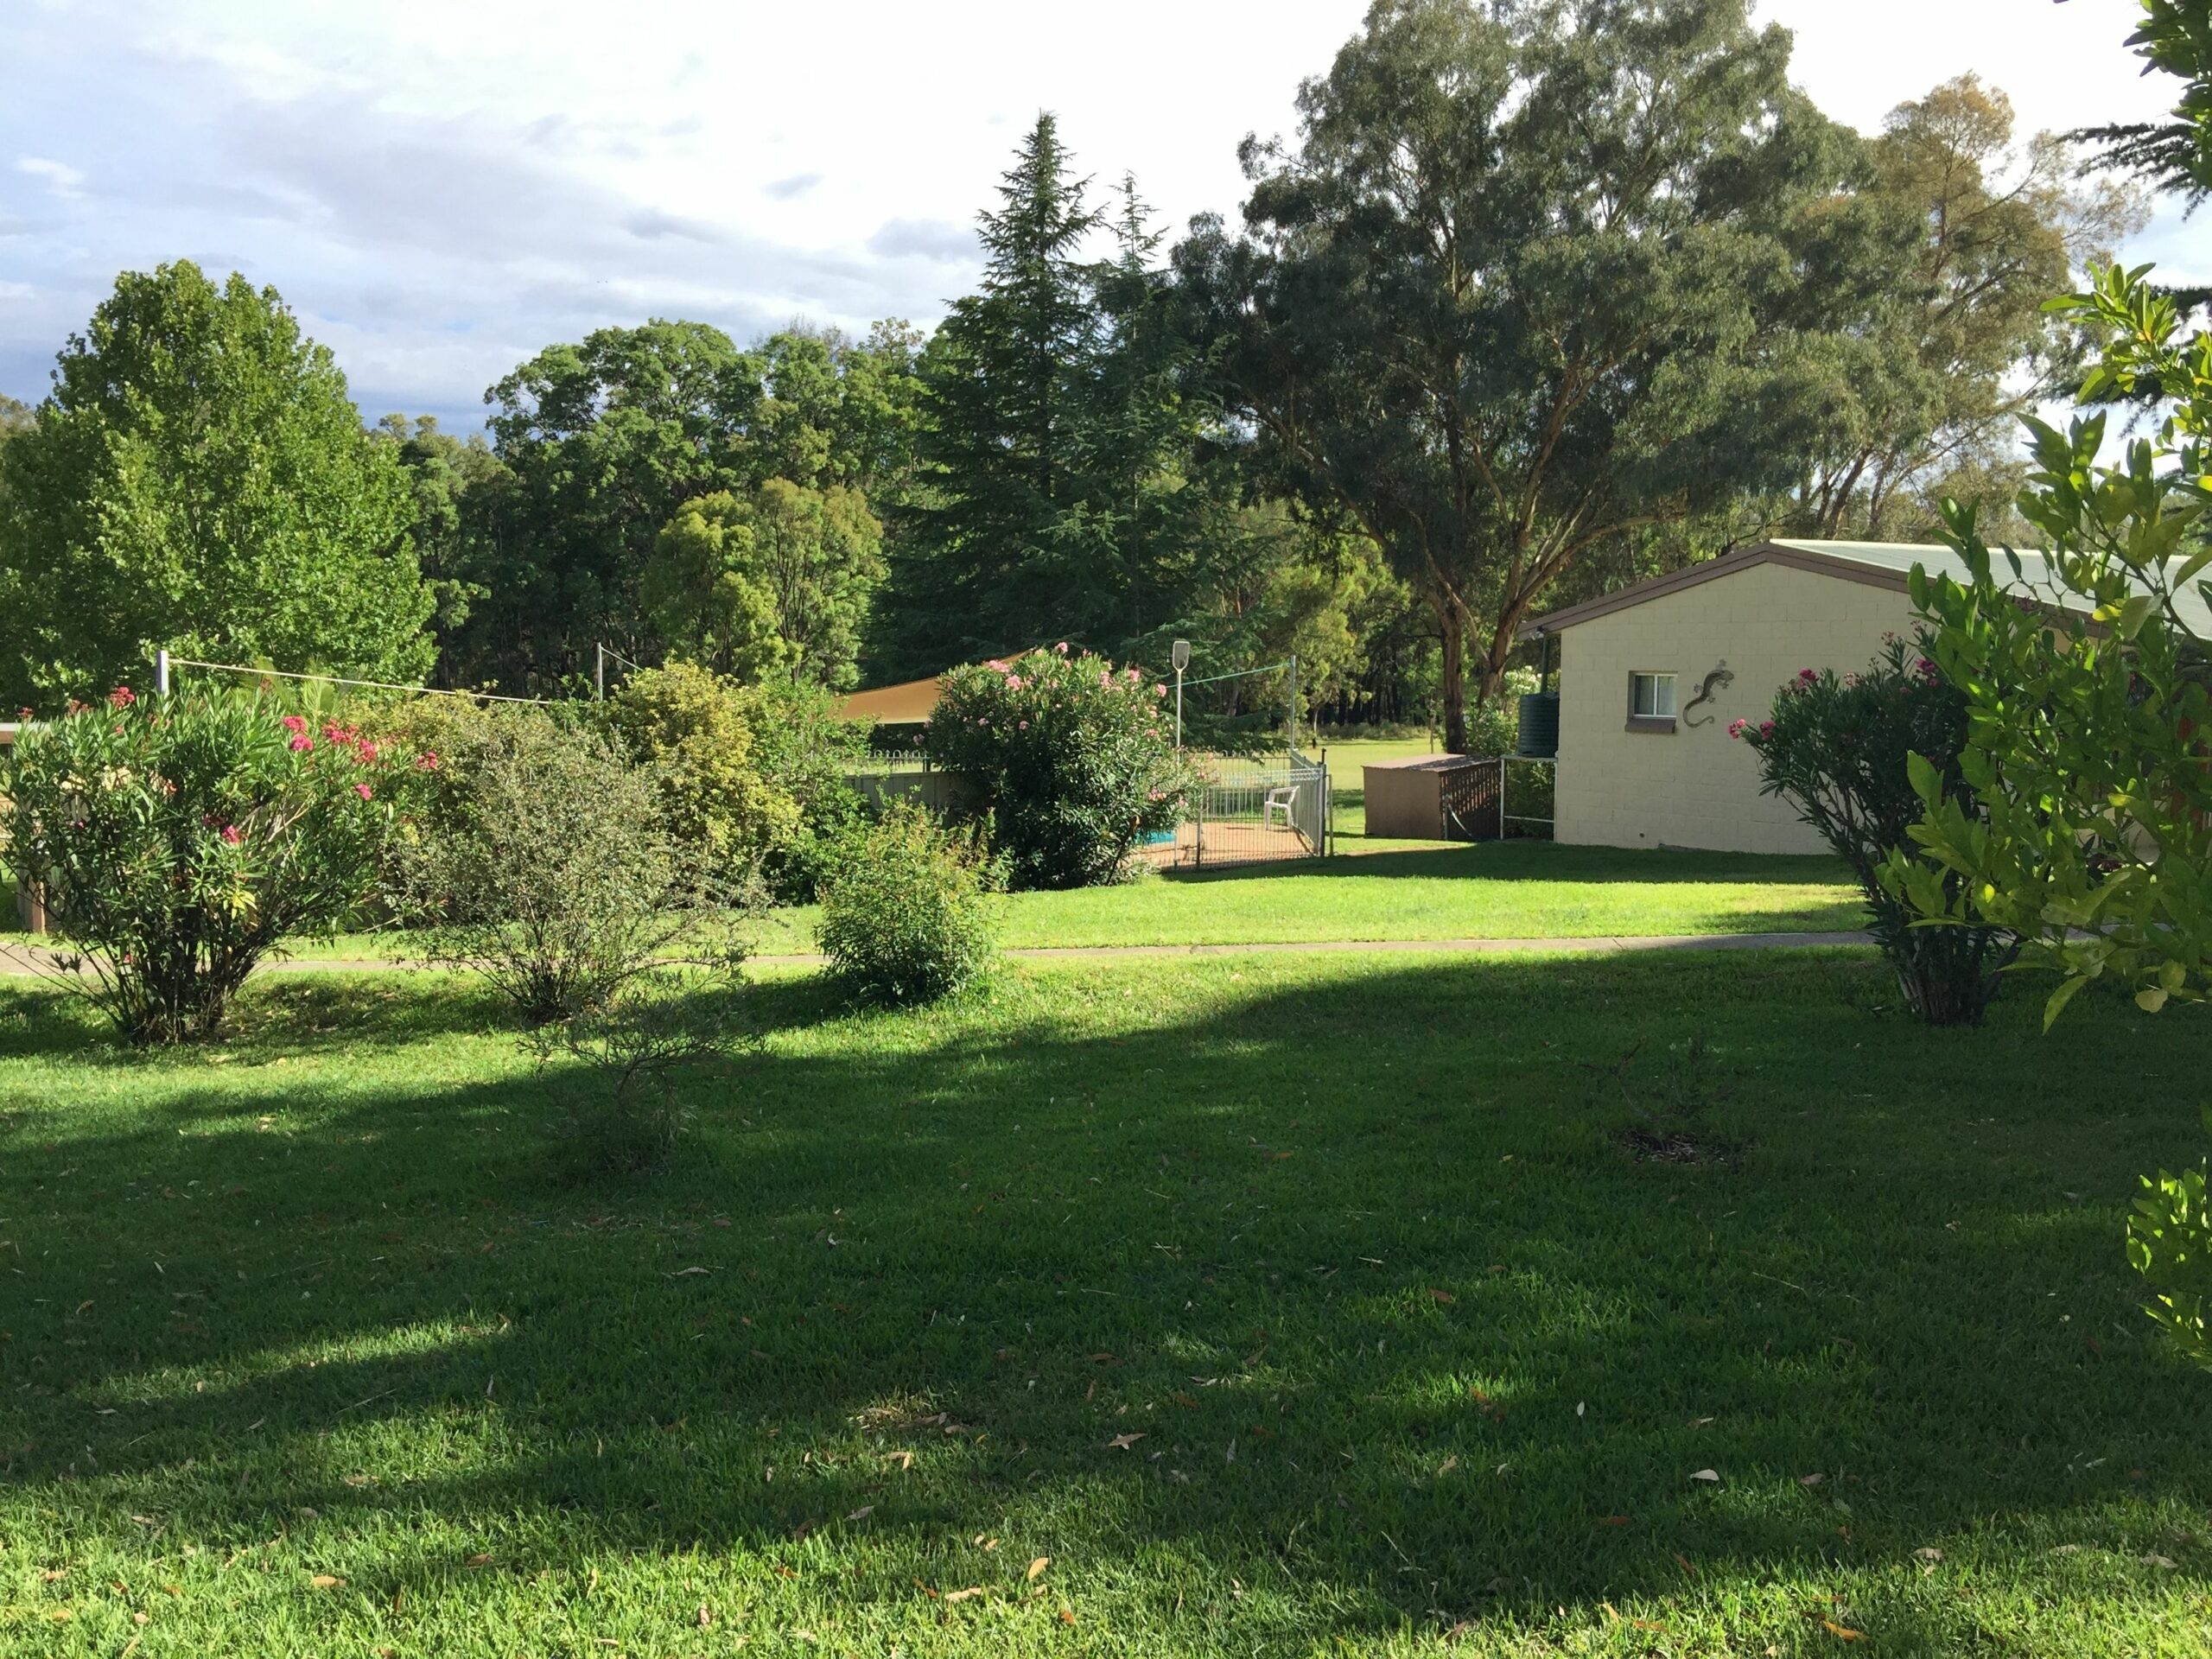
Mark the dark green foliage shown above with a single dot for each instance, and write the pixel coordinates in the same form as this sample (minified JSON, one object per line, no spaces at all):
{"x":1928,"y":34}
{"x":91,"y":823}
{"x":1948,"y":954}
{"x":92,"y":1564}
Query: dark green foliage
{"x":1074,"y":759}
{"x":906,"y":908}
{"x":607,"y":440}
{"x":177,"y":841}
{"x":200,"y":480}
{"x":1060,"y":489}
{"x":646,"y":1052}
{"x":1533,"y":276}
{"x":557,"y":881}
{"x":1842,"y":751}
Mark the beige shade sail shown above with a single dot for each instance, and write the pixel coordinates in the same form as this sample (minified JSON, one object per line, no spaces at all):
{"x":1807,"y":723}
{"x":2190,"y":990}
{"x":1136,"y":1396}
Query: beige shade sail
{"x":909,"y":704}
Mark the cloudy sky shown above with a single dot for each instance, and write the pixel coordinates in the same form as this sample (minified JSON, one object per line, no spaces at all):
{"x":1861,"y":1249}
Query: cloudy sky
{"x":440,"y":191}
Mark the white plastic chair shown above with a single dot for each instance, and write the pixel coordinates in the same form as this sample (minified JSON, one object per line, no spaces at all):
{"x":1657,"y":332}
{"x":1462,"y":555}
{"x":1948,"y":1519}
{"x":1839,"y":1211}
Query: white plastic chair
{"x":1281,"y":800}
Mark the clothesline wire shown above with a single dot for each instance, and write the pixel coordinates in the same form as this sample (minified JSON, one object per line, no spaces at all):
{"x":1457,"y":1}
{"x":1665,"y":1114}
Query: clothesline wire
{"x":337,"y":679}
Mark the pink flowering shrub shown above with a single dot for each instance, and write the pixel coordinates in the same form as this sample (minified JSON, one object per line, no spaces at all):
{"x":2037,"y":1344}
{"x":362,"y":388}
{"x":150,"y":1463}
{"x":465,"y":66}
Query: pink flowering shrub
{"x":1838,"y":748}
{"x":1074,"y":757}
{"x":176,"y":840}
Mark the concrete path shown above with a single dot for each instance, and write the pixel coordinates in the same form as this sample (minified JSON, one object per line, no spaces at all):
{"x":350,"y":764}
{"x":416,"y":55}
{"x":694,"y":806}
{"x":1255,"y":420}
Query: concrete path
{"x":33,"y":959}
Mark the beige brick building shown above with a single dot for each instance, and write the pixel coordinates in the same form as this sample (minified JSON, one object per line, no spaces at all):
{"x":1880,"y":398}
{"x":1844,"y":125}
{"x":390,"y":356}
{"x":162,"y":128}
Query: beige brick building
{"x":1649,"y":678}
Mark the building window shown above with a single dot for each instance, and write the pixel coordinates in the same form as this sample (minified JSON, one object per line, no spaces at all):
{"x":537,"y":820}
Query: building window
{"x":1651,"y":701}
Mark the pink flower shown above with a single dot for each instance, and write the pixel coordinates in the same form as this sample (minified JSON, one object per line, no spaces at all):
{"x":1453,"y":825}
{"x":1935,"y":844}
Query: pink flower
{"x":1021,"y":725}
{"x":365,"y":752}
{"x":1105,"y":677}
{"x":1158,"y":691}
{"x":1132,"y":675}
{"x":296,"y":724}
{"x":427,"y":761}
{"x":231,"y":834}
{"x":1927,"y":668}
{"x":997,"y":665}
{"x":1766,"y":729}
{"x":1807,"y":676}
{"x":362,"y":789}
{"x":1736,"y":728}
{"x":121,"y":697}
{"x":302,"y":743}
{"x":980,"y":721}
{"x":1062,"y":647}
{"x":1013,"y":681}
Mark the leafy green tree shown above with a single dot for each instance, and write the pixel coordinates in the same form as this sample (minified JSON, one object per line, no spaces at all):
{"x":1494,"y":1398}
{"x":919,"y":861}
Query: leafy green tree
{"x":606,"y":440}
{"x":15,"y":416}
{"x":455,"y":484}
{"x":200,"y":480}
{"x":840,"y":411}
{"x":1535,"y":275}
{"x":775,"y":581}
{"x":2087,"y":705}
{"x":2176,"y":154}
{"x":1934,"y":385}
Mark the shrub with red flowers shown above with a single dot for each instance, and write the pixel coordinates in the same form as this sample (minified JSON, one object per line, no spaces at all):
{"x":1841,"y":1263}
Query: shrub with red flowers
{"x":1837,"y":748}
{"x":177,"y":840}
{"x":1074,"y":757}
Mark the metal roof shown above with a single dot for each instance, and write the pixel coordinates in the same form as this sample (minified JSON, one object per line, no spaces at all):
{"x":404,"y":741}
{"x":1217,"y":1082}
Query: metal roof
{"x":1885,"y":564}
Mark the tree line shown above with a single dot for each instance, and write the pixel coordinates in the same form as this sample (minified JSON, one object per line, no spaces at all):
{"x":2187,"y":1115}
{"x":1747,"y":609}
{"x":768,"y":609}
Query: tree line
{"x":1539,"y":298}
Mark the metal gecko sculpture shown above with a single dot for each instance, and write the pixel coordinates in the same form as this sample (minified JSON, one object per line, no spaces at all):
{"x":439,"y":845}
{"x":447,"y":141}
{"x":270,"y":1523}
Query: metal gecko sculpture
{"x":1721,"y":676}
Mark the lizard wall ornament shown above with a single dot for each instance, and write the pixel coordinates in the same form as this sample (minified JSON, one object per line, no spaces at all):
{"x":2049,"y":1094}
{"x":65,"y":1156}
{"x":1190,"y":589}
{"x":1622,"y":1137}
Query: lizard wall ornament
{"x":1721,"y":676}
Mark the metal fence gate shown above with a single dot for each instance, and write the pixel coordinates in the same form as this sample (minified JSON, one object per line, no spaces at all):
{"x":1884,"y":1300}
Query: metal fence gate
{"x":1247,"y":811}
{"x":1499,"y":798}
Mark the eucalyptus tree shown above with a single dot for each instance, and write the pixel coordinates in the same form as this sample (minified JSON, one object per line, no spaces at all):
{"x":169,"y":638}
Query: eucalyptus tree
{"x":1534,"y":275}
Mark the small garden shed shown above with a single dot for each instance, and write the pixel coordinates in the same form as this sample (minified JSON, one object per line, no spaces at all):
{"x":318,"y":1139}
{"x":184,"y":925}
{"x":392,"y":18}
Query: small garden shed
{"x":1651,"y":677}
{"x":1405,"y":798}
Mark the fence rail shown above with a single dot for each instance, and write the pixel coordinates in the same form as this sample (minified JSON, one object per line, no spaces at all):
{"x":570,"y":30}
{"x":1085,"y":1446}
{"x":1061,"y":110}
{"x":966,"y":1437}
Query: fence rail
{"x":1249,"y":812}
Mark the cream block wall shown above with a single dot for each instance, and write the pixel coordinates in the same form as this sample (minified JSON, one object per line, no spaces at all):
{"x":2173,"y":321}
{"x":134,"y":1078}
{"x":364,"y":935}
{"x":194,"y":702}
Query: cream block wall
{"x":1697,"y":787}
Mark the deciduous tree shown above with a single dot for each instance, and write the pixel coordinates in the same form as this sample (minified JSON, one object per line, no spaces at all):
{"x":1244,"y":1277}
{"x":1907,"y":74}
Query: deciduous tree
{"x":199,"y":479}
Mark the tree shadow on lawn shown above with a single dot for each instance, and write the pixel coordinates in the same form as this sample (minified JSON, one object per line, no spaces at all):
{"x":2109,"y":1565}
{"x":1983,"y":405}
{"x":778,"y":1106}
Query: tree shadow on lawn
{"x":1543,"y":861}
{"x":1401,"y":1332}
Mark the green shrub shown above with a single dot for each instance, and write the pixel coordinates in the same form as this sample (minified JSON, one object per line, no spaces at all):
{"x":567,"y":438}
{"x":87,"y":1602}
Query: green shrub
{"x":2170,"y":1244}
{"x":1841,"y":751}
{"x":1074,"y":759}
{"x":806,"y":750}
{"x":638,"y":1050}
{"x":178,"y":840}
{"x":905,"y":910}
{"x":555,"y":879}
{"x":695,"y":733}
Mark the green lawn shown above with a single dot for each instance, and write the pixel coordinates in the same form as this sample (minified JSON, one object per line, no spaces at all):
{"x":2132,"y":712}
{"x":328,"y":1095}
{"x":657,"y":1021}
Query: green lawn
{"x":1494,"y":890}
{"x":1275,"y":1304}
{"x":1491,"y":890}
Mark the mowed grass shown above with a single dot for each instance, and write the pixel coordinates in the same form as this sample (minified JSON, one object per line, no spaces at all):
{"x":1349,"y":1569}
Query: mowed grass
{"x":1490,"y":890}
{"x":1221,"y":1307}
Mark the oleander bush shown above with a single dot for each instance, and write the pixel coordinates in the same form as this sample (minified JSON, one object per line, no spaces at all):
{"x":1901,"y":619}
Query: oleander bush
{"x":178,"y":840}
{"x":1843,"y":751}
{"x":1073,"y":758}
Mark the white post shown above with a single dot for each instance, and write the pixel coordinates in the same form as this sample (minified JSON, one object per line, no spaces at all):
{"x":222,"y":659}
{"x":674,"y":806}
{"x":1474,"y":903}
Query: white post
{"x":599,"y":674}
{"x":162,"y":671}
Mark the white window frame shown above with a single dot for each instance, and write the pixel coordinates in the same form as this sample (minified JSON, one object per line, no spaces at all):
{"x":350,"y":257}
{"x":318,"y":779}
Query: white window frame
{"x":1665,"y":699}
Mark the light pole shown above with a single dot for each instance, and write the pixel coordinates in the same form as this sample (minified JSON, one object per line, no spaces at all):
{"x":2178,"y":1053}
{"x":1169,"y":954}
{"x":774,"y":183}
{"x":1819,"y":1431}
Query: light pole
{"x":1179,"y":654}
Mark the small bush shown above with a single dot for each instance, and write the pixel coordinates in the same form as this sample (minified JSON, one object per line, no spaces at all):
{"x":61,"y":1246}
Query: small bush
{"x":177,"y":840}
{"x":1074,"y":759}
{"x":693,"y":733}
{"x":1840,"y":751}
{"x":906,"y":911}
{"x":2170,"y":1244}
{"x":640,"y":1047}
{"x":555,"y":879}
{"x":805,"y":749}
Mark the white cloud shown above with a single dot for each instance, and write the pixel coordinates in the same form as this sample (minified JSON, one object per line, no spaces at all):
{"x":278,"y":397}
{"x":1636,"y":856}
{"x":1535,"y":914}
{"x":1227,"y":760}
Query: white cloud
{"x":61,"y":179}
{"x":441,"y":192}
